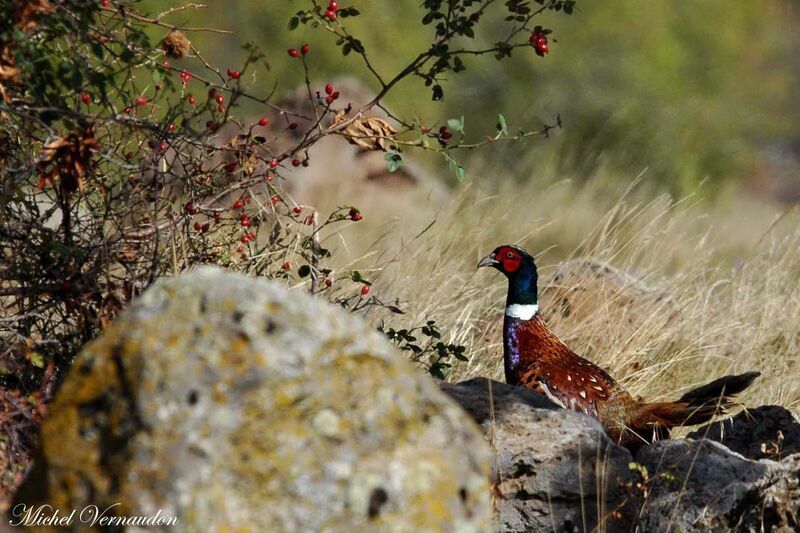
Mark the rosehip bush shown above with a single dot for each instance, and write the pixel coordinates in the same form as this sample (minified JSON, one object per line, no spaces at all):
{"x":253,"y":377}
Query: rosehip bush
{"x":124,"y":158}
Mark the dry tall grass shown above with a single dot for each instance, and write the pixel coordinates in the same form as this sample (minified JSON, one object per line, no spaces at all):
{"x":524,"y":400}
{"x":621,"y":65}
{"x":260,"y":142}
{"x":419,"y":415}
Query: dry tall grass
{"x":692,"y":290}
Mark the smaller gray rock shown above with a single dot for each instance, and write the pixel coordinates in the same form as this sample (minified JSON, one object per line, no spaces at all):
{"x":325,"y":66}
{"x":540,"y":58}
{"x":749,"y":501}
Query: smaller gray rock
{"x":703,"y":486}
{"x":766,"y":432}
{"x":553,"y":469}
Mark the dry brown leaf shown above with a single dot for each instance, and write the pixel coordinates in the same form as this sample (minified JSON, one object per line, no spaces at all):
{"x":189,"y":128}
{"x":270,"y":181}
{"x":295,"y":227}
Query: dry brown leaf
{"x":175,"y":44}
{"x":369,"y":133}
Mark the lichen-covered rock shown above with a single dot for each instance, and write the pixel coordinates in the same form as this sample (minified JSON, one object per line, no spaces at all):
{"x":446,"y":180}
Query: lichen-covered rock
{"x":703,"y":486}
{"x":553,"y":469}
{"x":236,"y":405}
{"x":766,"y":432}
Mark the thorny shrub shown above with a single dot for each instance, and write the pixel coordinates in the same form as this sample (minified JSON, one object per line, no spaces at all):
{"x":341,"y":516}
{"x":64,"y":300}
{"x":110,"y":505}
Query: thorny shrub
{"x":123,"y":159}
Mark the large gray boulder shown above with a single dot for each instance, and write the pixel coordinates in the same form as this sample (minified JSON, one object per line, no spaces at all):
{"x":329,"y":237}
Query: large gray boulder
{"x":234,"y":404}
{"x":553,"y":470}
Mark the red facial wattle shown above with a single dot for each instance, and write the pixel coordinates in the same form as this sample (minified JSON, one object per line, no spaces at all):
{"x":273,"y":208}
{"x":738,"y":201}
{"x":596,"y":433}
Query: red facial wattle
{"x":511,"y":264}
{"x":510,"y":259}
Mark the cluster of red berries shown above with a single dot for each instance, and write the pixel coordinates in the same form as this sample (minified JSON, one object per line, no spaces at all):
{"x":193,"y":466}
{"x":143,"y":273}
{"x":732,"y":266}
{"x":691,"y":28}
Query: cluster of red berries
{"x":444,"y":134}
{"x":234,"y":74}
{"x":331,"y":94}
{"x":305,"y":49}
{"x":354,"y":214}
{"x":333,"y":7}
{"x":539,"y":42}
{"x":185,"y":77}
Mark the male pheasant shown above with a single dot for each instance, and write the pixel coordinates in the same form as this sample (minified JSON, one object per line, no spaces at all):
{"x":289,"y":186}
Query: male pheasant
{"x":536,"y":359}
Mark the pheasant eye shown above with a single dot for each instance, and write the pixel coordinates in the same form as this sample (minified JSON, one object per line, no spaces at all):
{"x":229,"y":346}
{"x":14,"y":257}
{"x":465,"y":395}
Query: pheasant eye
{"x":510,"y":255}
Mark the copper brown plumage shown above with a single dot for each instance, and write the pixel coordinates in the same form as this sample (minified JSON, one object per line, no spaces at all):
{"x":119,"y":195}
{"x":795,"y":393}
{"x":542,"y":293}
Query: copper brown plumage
{"x":535,"y":358}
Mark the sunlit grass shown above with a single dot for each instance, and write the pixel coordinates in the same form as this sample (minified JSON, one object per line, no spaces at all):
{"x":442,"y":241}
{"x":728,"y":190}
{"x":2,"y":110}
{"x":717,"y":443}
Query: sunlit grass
{"x":693,"y":290}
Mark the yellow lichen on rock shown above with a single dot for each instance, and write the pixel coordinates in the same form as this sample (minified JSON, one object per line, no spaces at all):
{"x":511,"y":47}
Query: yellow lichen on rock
{"x":236,"y":405}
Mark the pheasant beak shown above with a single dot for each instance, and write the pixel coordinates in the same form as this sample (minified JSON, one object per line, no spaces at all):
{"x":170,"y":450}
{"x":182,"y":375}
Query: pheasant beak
{"x":488,"y":261}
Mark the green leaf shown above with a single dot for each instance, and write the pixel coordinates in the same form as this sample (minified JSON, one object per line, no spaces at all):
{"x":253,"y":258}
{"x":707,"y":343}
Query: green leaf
{"x":457,"y":169}
{"x":436,"y":369}
{"x":37,"y":359}
{"x":502,"y":127}
{"x":356,"y":276}
{"x":456,"y":124}
{"x":393,"y":162}
{"x":293,"y":23}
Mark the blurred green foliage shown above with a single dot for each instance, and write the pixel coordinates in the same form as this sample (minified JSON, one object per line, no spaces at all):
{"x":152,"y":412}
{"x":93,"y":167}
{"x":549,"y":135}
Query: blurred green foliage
{"x":686,"y":92}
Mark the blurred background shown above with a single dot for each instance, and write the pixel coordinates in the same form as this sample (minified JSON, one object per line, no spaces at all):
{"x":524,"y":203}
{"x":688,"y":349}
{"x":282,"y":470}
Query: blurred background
{"x":676,"y":174}
{"x":694,"y":96}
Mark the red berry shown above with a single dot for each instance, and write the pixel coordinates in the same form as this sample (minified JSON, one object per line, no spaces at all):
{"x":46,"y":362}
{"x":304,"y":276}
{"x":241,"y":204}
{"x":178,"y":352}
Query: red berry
{"x":190,"y":208}
{"x":234,"y":74}
{"x":335,"y":95}
{"x":293,"y":52}
{"x":221,"y":108}
{"x":129,"y":155}
{"x":263,"y":121}
{"x":309,"y":220}
{"x":329,"y":89}
{"x":365,"y":290}
{"x":86,"y":98}
{"x":273,"y":163}
{"x":287,"y":265}
{"x":238,"y":204}
{"x":197,"y":226}
{"x":356,"y":217}
{"x":293,"y":126}
{"x":185,"y":77}
{"x":446,"y":135}
{"x":305,"y":49}
{"x":230,"y":167}
{"x":219,"y":98}
{"x":329,"y":99}
{"x":105,"y":3}
{"x":275,"y":199}
{"x":333,"y":5}
{"x":141,"y":100}
{"x":251,"y":236}
{"x":171,"y":127}
{"x":240,"y":249}
{"x":331,"y":14}
{"x":328,"y":282}
{"x":245,"y":239}
{"x":191,"y":99}
{"x":298,"y":210}
{"x":245,"y":223}
{"x":162,"y":146}
{"x":205,"y":227}
{"x":295,"y":162}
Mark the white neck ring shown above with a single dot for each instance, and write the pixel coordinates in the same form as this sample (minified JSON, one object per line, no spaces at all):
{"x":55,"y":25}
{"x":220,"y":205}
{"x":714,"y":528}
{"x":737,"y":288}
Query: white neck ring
{"x":522,"y":311}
